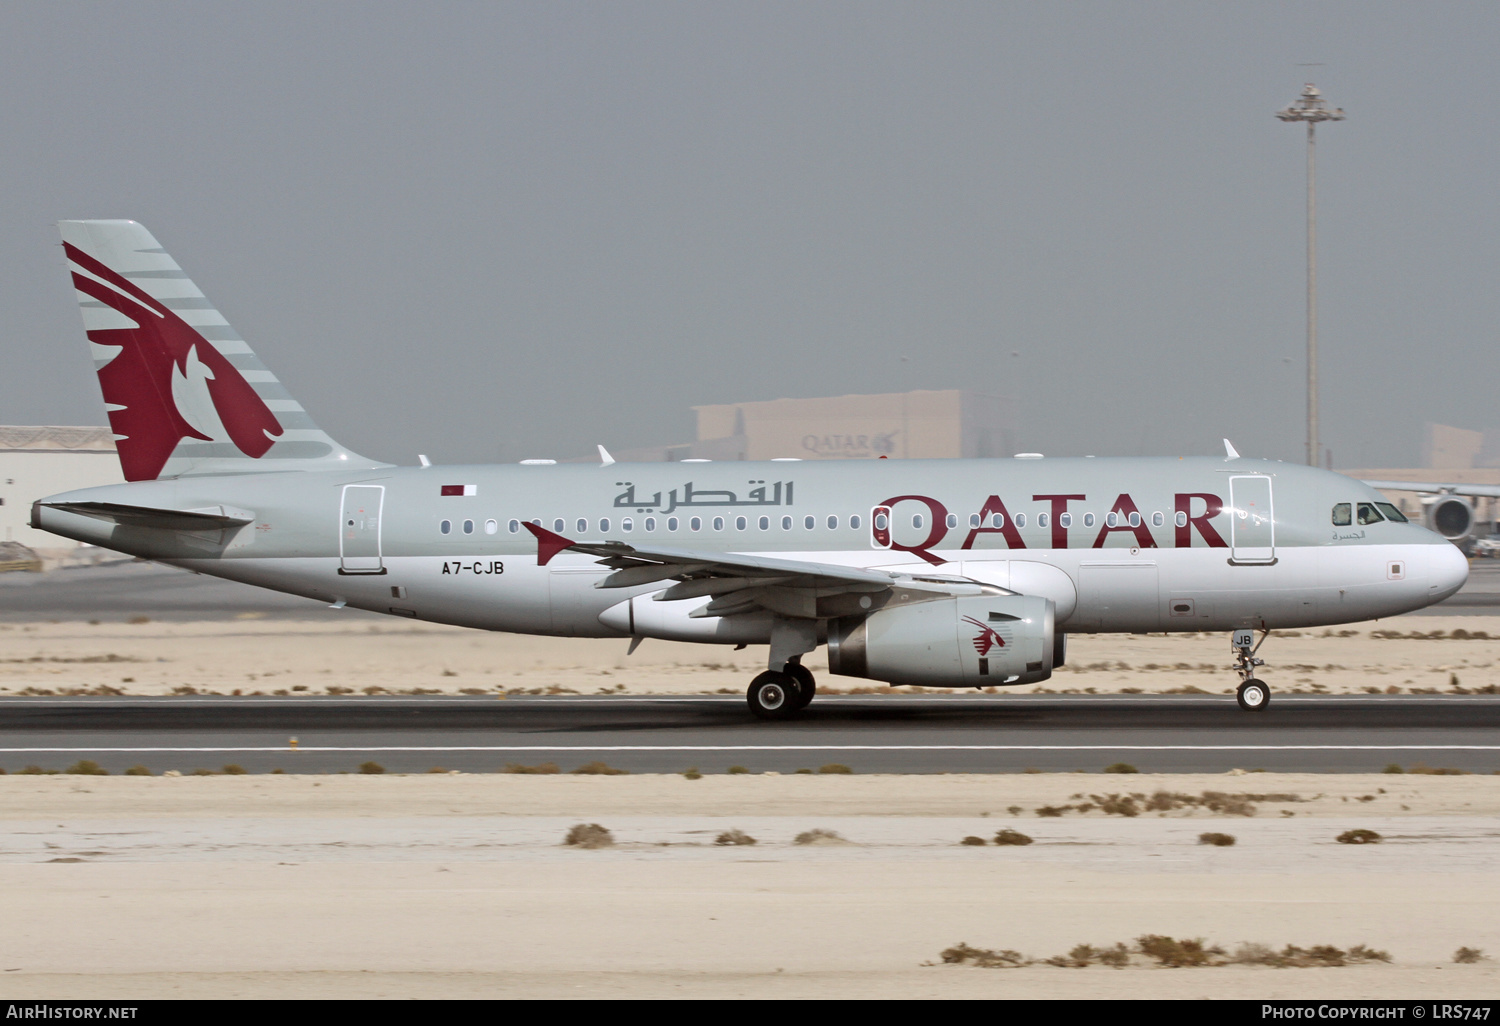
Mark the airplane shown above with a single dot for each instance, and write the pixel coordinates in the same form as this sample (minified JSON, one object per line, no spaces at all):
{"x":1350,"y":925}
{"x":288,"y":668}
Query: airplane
{"x":957,"y":573}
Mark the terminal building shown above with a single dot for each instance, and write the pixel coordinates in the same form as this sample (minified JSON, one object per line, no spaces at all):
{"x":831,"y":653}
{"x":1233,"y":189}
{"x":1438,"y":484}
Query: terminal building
{"x":39,"y":461}
{"x":941,"y":424}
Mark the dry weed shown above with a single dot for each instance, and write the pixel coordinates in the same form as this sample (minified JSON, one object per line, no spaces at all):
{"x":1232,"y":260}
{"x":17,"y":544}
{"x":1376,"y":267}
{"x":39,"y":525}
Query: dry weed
{"x":589,"y":835}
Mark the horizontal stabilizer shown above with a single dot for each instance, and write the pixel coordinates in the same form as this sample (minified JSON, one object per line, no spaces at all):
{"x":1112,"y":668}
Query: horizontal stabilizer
{"x":209,"y":518}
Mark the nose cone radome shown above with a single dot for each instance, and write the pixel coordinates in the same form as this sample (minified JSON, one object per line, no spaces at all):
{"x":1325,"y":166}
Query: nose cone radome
{"x":1447,"y":570}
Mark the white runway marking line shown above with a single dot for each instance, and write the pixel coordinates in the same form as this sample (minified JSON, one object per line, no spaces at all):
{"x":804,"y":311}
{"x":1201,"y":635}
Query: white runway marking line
{"x":787,"y":748}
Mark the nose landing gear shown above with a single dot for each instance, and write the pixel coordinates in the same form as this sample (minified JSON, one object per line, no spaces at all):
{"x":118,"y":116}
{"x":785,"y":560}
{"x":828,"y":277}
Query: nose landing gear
{"x":1253,"y":695}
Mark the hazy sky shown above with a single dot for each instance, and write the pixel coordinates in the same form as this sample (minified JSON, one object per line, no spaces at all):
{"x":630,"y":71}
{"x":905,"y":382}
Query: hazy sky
{"x":492,"y":231}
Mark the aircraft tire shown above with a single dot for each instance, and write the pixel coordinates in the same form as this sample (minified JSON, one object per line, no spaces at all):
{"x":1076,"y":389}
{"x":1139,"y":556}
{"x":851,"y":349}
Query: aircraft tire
{"x":773,"y":695}
{"x":1253,"y":695}
{"x":807,"y":686}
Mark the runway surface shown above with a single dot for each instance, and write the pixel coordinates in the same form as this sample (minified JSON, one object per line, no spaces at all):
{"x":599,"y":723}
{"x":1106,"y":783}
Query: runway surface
{"x":869,"y":734}
{"x":124,"y":590}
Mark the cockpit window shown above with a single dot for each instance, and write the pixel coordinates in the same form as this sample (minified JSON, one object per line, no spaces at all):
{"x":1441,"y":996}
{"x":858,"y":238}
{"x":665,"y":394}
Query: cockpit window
{"x":1392,"y":514}
{"x":1341,"y":513}
{"x":1368,"y":514}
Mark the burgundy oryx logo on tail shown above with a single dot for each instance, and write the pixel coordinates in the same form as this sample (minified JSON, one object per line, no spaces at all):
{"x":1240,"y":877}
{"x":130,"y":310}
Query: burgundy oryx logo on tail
{"x":986,"y":639}
{"x":167,"y":382}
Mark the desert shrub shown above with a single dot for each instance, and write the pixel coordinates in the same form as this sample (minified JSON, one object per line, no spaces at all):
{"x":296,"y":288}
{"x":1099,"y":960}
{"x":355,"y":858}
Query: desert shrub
{"x":1228,"y":804}
{"x":734,"y":837}
{"x":545,"y":767}
{"x":87,"y":768}
{"x":808,"y":771}
{"x":1217,"y":840}
{"x":137,"y":771}
{"x":203,"y":773}
{"x":437,"y":769}
{"x":834,"y":767}
{"x":1468,"y":956}
{"x":1015,"y":810}
{"x":32,"y":771}
{"x":820,"y":836}
{"x":1011,"y":837}
{"x":984,"y":958}
{"x":1084,"y":955}
{"x":1360,"y":836}
{"x":1120,"y":767}
{"x":599,"y":769}
{"x":1438,"y":771}
{"x":738,"y":769}
{"x":589,"y":835}
{"x":1177,"y":953}
{"x":1052,"y":811}
{"x":972,"y":841}
{"x":236,"y":770}
{"x":1117,"y":805}
{"x":690,"y":773}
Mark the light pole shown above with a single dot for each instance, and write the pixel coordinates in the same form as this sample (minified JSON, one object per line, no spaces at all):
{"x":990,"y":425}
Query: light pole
{"x":1311,"y":108}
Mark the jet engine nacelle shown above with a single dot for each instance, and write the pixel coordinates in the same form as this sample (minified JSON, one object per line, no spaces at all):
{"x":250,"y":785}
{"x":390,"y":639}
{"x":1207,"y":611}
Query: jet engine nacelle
{"x":973,"y":641}
{"x":1449,"y":515}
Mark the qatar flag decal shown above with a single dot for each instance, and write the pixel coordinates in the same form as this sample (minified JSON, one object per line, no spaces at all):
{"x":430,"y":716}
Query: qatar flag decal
{"x":460,"y":489}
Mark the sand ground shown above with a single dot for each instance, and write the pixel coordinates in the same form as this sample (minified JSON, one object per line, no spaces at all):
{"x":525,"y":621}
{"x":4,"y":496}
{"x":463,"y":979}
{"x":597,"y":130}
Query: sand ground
{"x":252,"y":656}
{"x":458,"y":885}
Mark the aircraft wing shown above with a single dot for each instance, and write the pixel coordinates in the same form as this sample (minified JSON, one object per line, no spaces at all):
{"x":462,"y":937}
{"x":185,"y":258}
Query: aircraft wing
{"x":739,"y":583}
{"x":1484,"y":491}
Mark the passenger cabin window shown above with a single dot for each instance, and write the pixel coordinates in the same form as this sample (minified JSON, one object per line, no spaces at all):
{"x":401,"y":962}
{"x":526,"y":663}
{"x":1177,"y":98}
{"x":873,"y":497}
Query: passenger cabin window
{"x":650,"y":523}
{"x":583,"y":526}
{"x":809,"y":522}
{"x":671,"y":523}
{"x":490,"y":527}
{"x":997,"y":520}
{"x":740,"y":523}
{"x":1342,"y":512}
{"x":627,"y":524}
{"x":952,"y":521}
{"x":833,"y":523}
{"x":973,"y":521}
{"x":1180,"y":519}
{"x":1065,"y":519}
{"x":604,"y":525}
{"x":764,"y":523}
{"x":1392,"y":514}
{"x":1157,"y":520}
{"x":1111,"y":519}
{"x":468,"y":527}
{"x":1088,"y":520}
{"x":513,"y":527}
{"x":559,"y":527}
{"x":446,"y":526}
{"x":696,"y":523}
{"x":1368,"y":514}
{"x":1135,"y":520}
{"x":854,"y":522}
{"x":880,"y":522}
{"x":786,"y":523}
{"x":718,"y":523}
{"x":1020,"y":519}
{"x":1043,"y":519}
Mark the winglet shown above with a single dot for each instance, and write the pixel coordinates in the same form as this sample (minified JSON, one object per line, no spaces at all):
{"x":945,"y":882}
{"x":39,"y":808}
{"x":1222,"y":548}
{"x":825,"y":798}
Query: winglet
{"x":1229,"y":453}
{"x":547,"y":543}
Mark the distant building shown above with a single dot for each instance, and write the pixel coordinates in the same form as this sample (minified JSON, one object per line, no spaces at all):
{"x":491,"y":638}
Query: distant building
{"x":39,"y":461}
{"x":899,"y":425}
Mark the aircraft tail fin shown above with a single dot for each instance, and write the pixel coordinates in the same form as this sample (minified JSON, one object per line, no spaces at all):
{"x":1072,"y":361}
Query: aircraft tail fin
{"x":184,"y":393}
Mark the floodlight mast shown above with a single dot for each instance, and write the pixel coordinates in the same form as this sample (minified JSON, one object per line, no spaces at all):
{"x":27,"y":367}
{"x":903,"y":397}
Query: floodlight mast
{"x":1311,"y":108}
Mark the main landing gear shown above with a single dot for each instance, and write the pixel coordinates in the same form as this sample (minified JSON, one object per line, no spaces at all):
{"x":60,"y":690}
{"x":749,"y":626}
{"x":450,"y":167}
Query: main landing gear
{"x":1253,"y":695}
{"x":778,"y":694}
